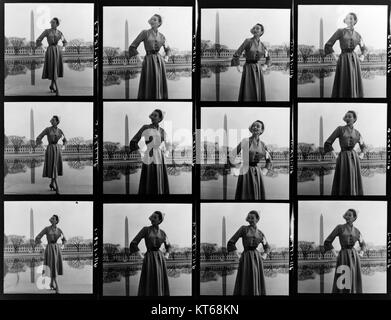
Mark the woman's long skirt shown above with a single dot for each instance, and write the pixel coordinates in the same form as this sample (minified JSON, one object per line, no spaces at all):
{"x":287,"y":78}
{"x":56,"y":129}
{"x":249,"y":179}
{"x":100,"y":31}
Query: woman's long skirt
{"x":53,"y":161}
{"x":153,"y":179}
{"x":252,"y":85}
{"x":53,"y":67}
{"x":347,"y":277}
{"x":347,"y":177}
{"x":250,"y":280}
{"x":53,"y":259}
{"x":154,"y":278}
{"x":153,"y":79}
{"x":250,"y":185}
{"x":347,"y":81}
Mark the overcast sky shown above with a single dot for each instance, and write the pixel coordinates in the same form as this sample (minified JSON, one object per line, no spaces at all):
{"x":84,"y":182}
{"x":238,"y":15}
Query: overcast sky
{"x":76,"y":20}
{"x":276,"y":122}
{"x":176,"y":27}
{"x":235,"y":25}
{"x":371,"y":121}
{"x":76,"y":218}
{"x":371,"y":24}
{"x":177,"y":222}
{"x":177,"y":120}
{"x":76,"y":118}
{"x":371,"y":221}
{"x":274,"y":221}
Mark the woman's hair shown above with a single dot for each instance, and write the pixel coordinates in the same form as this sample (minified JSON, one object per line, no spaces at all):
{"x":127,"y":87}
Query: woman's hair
{"x":255,"y":213}
{"x":258,"y":24}
{"x":353,"y":113}
{"x":159,"y":17}
{"x":57,"y":21}
{"x":353,"y":15}
{"x":160,"y":112}
{"x":250,"y":128}
{"x":57,"y":218}
{"x":160,"y":214}
{"x":352,"y":211}
{"x":57,"y":118}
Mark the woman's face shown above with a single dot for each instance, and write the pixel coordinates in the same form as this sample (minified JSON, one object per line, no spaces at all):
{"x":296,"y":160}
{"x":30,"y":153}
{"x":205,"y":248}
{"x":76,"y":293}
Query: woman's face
{"x":53,"y":121}
{"x":349,"y":216}
{"x":257,"y":30}
{"x":252,"y":219}
{"x":53,"y":220}
{"x":155,"y":219}
{"x":349,"y":20}
{"x":154,"y":22}
{"x":257,"y":128}
{"x":155,"y":117}
{"x":349,"y":118}
{"x":53,"y":23}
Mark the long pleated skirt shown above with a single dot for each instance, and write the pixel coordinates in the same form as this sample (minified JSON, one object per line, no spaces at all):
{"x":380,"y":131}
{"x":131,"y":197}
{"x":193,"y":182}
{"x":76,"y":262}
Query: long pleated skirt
{"x":153,"y":79}
{"x":53,"y":67}
{"x":53,"y":162}
{"x":250,"y":280}
{"x":252,"y":85}
{"x":154,"y":278}
{"x":153,"y":179}
{"x":53,"y":259}
{"x":350,"y":281}
{"x":347,"y":81}
{"x":347,"y":177}
{"x":250,"y":184}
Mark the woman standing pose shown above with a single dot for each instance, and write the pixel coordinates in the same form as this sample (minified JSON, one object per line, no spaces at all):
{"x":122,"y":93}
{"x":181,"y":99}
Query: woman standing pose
{"x":52,"y":254}
{"x":154,"y":177}
{"x":347,"y":277}
{"x":153,"y":79}
{"x":53,"y":67}
{"x":250,"y":280}
{"x":347,"y":177}
{"x":347,"y":81}
{"x":154,"y":278}
{"x":53,"y":159}
{"x":252,"y":85}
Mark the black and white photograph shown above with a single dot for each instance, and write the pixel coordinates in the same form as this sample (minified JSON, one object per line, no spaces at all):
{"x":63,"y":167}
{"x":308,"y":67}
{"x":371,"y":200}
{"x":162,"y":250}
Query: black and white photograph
{"x":147,"y":52}
{"x":48,"y":49}
{"x":244,"y":249}
{"x":147,"y":148}
{"x":342,"y":149}
{"x":353,"y":264}
{"x":342,"y":51}
{"x":245,"y":54}
{"x":48,"y":247}
{"x":48,"y":148}
{"x":244,"y":153}
{"x":147,"y":249}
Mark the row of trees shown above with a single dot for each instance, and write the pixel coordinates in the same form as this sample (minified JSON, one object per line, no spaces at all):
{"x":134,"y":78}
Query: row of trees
{"x":18,"y":241}
{"x":18,"y":43}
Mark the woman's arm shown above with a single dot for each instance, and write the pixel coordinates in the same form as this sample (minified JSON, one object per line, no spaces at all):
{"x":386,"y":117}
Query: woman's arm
{"x":328,"y":243}
{"x":134,"y":45}
{"x":363,"y":245}
{"x":167,"y":246}
{"x":133,"y":144}
{"x":133,"y":246}
{"x":266,"y":246}
{"x":328,"y":47}
{"x":268,"y":61}
{"x":64,"y":41}
{"x":362,"y":145}
{"x":231,"y":242}
{"x":38,"y":42}
{"x":235,"y":61}
{"x":64,"y":139}
{"x":166,"y":47}
{"x":363,"y":47}
{"x":40,"y":235}
{"x":38,"y":141}
{"x":233,"y":154}
{"x":328,"y":145}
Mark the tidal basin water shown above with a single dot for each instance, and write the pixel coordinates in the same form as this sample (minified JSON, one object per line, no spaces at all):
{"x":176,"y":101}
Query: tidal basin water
{"x":220,"y":280}
{"x":319,"y":82}
{"x":123,"y":280}
{"x":319,"y":279}
{"x":215,"y":182}
{"x":319,"y":181}
{"x":221,"y":82}
{"x":123,"y":83}
{"x":124,"y":178}
{"x":23,"y":175}
{"x":24,"y":77}
{"x":24,"y":275}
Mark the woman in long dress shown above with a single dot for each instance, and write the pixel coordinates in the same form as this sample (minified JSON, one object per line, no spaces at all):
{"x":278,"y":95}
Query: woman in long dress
{"x":154,"y":177}
{"x":250,"y":280}
{"x":52,"y":254}
{"x":153,"y":278}
{"x":347,"y":81}
{"x":53,"y":67}
{"x":153,"y":79}
{"x":252,"y":85}
{"x":347,"y":277}
{"x":52,"y":167}
{"x":250,"y":183}
{"x":347,"y":177}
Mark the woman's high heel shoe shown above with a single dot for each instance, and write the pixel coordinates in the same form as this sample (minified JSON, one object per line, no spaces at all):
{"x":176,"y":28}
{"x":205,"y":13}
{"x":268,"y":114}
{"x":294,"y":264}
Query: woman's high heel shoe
{"x":52,"y":89}
{"x":51,"y":186}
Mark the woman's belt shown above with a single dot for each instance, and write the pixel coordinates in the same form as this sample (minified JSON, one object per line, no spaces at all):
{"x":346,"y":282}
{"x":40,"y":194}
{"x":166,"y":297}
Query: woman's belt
{"x":152,"y":52}
{"x":348,"y":50}
{"x":52,"y":242}
{"x":347,"y":149}
{"x":347,"y":247}
{"x":251,"y":61}
{"x":253,"y":164}
{"x":52,"y":143}
{"x":152,"y":249}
